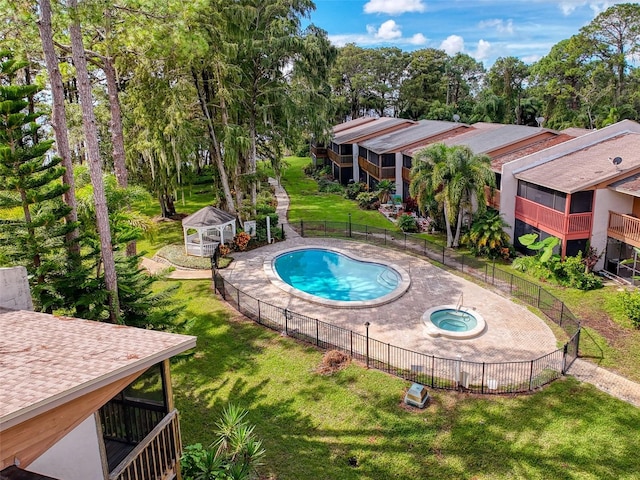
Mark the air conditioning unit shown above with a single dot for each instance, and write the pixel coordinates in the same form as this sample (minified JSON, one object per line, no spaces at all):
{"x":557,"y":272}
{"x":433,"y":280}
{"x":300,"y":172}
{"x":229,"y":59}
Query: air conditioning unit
{"x":417,"y":396}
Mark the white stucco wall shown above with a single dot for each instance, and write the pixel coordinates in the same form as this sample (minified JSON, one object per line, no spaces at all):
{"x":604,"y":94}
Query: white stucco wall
{"x":14,"y":289}
{"x":75,"y":457}
{"x":606,"y":200}
{"x":356,"y":166}
{"x":398,"y":180}
{"x":508,"y":192}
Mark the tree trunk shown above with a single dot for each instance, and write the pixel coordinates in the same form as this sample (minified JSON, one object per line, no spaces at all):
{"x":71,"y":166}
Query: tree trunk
{"x":59,"y":123}
{"x":224,"y":178}
{"x":447,"y":223}
{"x":95,"y":164}
{"x":117,"y":137}
{"x":456,"y":239}
{"x":253,"y":163}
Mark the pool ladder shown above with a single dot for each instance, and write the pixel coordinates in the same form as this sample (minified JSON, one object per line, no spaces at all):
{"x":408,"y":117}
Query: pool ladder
{"x":459,"y":304}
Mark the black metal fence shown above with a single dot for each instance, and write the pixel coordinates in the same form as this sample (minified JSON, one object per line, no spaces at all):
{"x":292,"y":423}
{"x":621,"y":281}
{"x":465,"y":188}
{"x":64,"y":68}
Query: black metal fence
{"x":436,"y":372}
{"x":486,"y":271}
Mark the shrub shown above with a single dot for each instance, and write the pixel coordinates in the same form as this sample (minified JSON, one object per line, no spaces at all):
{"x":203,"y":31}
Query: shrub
{"x":241,"y":240}
{"x":568,"y":273}
{"x":631,"y":306}
{"x":411,"y":205}
{"x":353,"y":189}
{"x":487,"y":236}
{"x":368,"y":200}
{"x":328,"y":186}
{"x":407,"y":223}
{"x":572,"y":273}
{"x":234,"y":453}
{"x":224,"y":250}
{"x":309,"y":169}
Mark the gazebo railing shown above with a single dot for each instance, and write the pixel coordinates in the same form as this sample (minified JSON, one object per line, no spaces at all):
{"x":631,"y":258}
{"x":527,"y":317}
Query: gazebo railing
{"x":204,"y":249}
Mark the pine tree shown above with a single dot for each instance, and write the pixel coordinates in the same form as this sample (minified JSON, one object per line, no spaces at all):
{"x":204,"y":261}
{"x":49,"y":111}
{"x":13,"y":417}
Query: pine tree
{"x":30,"y":188}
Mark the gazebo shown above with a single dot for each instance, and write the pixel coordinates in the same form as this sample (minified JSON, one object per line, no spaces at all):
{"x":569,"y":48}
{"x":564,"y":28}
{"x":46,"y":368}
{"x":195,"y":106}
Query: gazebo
{"x":206,"y":229}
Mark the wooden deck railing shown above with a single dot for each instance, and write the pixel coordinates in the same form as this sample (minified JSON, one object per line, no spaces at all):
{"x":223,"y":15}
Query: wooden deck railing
{"x":576,"y":224}
{"x":344,"y":160}
{"x":156,"y":457}
{"x":625,"y":228}
{"x":318,"y":151}
{"x":378,"y":172}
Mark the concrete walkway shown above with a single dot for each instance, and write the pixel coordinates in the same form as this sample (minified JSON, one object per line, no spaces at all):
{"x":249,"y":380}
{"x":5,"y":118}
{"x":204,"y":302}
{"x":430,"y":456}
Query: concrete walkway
{"x":583,"y":370}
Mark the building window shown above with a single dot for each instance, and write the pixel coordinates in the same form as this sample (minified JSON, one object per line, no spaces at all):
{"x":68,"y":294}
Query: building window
{"x":542,"y":195}
{"x":576,"y":246}
{"x":498,"y":180}
{"x":581,"y":202}
{"x":389,"y":160}
{"x":346,"y":149}
{"x":373,"y":158}
{"x":407,"y":161}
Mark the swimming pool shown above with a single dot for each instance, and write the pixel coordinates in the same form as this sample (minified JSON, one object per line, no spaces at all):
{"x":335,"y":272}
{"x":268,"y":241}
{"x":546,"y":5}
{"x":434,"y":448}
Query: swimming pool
{"x":335,"y":278}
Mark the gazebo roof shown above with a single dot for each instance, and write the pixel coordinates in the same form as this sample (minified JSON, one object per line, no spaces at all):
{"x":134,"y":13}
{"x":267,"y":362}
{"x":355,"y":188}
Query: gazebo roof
{"x":208,"y":217}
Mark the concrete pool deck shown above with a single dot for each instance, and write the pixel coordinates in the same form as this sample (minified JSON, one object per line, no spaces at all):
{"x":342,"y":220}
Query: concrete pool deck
{"x":583,"y":370}
{"x":513,"y":333}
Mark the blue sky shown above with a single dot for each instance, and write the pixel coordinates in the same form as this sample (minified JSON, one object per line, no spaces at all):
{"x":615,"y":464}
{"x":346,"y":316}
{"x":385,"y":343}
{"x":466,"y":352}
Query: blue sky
{"x":484,"y":29}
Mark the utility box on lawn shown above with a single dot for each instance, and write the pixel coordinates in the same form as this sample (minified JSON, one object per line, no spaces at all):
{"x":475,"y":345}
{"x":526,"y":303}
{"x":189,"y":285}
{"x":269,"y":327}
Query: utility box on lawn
{"x":417,"y":396}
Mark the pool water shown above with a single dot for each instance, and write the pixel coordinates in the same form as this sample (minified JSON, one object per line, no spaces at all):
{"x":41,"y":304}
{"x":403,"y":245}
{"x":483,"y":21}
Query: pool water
{"x":453,"y":320}
{"x":335,"y":276}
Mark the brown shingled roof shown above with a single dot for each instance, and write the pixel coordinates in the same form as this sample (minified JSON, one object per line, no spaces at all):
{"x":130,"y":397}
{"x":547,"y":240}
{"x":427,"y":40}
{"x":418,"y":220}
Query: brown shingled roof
{"x":497,"y":162}
{"x":46,"y":360}
{"x":588,"y":166}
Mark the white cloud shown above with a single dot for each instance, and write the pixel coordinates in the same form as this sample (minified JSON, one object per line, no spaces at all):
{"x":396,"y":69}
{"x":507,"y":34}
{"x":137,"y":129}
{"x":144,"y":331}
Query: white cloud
{"x":389,"y":30}
{"x":483,"y":50}
{"x":387,"y":33}
{"x":568,"y":7}
{"x":452,"y":44}
{"x":531,"y":58}
{"x":418,"y":39}
{"x":394,"y":7}
{"x":500,"y":25}
{"x":597,"y":6}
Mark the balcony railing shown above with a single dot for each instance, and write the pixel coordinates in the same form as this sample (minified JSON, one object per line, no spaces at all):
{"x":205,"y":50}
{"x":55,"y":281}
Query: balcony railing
{"x":318,"y":152}
{"x":343,"y":160}
{"x":378,"y":172}
{"x":156,"y":457}
{"x":557,"y":223}
{"x":492,"y":197}
{"x":625,"y":228}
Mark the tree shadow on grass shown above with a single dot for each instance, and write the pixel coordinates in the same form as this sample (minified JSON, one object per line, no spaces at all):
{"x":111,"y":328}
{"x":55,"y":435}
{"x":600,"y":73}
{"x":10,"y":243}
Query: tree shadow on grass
{"x":352,"y":425}
{"x":567,"y":430}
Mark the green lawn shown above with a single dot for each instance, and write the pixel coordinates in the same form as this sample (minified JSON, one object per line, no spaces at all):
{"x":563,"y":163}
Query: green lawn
{"x":190,"y":200}
{"x":353,"y":424}
{"x":315,"y":427}
{"x":309,"y":204}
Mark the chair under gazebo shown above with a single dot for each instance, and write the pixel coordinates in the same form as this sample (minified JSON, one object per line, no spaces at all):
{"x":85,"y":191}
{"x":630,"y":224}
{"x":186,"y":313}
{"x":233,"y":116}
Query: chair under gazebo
{"x":205,"y":229}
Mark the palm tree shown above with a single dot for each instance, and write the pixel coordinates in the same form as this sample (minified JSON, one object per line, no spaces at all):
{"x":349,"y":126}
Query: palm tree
{"x":456,"y":178}
{"x":385,"y":189}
